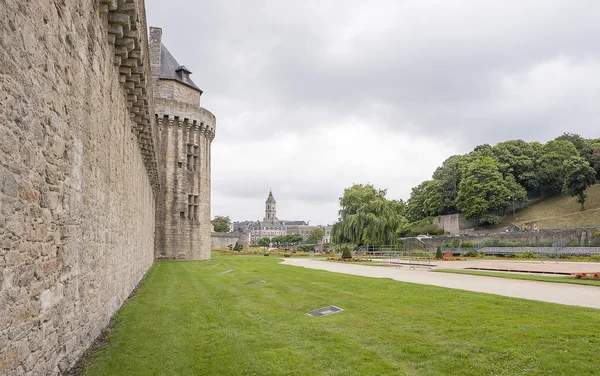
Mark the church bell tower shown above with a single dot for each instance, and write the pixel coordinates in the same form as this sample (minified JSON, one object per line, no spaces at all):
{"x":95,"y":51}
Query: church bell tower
{"x":270,"y":208}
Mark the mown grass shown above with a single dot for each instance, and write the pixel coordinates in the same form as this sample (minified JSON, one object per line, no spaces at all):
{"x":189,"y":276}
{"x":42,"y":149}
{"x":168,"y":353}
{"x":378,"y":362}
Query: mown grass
{"x":561,"y":211}
{"x":189,"y":319}
{"x":529,"y":277}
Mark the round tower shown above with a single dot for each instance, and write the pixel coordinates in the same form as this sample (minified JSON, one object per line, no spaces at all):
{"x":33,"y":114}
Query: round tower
{"x":184,"y":136}
{"x":270,"y":208}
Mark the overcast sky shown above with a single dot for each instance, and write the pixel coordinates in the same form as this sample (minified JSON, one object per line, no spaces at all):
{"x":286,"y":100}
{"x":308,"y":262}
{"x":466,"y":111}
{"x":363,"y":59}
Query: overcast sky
{"x":313,"y":96}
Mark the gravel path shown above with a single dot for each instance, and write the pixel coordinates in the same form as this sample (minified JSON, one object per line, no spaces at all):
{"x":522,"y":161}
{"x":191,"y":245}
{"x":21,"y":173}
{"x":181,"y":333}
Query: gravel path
{"x":561,"y":293}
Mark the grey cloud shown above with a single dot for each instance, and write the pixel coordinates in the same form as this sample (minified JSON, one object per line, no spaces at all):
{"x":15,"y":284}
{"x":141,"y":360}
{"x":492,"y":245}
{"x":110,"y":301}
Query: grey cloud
{"x":459,"y":73}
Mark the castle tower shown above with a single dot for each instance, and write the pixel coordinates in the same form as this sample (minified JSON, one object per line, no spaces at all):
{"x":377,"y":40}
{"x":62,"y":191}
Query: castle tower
{"x":270,"y":208}
{"x":185,"y":133}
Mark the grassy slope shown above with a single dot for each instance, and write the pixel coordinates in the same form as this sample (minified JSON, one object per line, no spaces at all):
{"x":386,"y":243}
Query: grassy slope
{"x":530,"y":277}
{"x":188,"y":319}
{"x":561,"y":211}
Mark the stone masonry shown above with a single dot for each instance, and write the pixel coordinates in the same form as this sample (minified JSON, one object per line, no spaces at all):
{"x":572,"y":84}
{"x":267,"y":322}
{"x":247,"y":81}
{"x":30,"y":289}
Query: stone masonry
{"x":185,"y":133}
{"x":80,"y":176}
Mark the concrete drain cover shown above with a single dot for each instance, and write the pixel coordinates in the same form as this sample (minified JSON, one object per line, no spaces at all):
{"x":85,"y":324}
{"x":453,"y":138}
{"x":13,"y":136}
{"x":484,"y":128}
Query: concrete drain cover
{"x":226,"y":271}
{"x":325,"y":311}
{"x":215,"y":265}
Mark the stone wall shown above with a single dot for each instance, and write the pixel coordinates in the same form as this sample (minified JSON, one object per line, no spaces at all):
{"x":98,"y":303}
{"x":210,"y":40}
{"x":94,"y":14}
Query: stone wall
{"x":581,"y":236}
{"x":77,"y":175}
{"x":453,"y":223}
{"x":219,"y":240}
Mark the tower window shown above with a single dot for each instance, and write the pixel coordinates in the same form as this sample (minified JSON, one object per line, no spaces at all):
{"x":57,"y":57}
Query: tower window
{"x":192,"y":157}
{"x":193,"y":208}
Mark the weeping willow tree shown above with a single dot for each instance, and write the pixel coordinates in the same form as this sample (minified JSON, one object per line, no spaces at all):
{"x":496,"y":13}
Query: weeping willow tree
{"x":367,"y":217}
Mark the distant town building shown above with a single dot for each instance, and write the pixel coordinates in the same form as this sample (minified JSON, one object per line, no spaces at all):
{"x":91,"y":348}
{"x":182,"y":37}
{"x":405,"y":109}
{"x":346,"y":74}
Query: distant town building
{"x":271,"y":226}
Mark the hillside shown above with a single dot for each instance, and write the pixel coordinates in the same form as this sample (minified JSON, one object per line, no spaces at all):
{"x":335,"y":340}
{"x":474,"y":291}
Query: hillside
{"x":561,"y":211}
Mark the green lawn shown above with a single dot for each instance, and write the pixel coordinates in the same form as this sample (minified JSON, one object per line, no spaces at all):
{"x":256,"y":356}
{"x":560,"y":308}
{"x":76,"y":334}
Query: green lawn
{"x":189,"y":319}
{"x":560,"y":211}
{"x":530,"y":277}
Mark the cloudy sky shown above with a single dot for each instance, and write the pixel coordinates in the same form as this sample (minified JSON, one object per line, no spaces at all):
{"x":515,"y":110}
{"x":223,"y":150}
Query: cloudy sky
{"x":313,"y":96}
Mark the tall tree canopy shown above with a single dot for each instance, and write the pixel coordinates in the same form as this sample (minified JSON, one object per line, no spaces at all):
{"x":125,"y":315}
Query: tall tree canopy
{"x":514,"y":168}
{"x":415,"y":206}
{"x":553,"y":156}
{"x":579,"y":175}
{"x":367,"y":217}
{"x":484,"y":190}
{"x":316,"y":235}
{"x":221,"y":223}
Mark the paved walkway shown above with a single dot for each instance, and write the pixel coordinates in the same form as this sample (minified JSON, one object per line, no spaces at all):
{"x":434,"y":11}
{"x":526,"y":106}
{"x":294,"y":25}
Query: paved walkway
{"x":561,"y":293}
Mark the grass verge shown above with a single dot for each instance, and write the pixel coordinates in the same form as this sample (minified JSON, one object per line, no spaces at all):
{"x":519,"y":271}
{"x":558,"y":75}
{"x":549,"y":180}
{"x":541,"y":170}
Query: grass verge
{"x":189,"y":319}
{"x":530,"y":277}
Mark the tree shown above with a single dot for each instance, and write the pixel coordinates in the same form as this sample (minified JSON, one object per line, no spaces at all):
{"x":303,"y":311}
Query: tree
{"x":440,"y":195}
{"x":483,"y":190}
{"x":415,"y":206}
{"x":264,"y":242}
{"x":579,"y":175}
{"x":221,"y":223}
{"x":596,"y":159}
{"x":316,"y":235}
{"x":583,"y":145}
{"x":519,"y":158}
{"x":367,"y":217}
{"x":553,"y":156}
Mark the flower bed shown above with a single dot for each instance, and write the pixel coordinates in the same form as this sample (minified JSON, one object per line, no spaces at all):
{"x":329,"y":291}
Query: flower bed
{"x":347,"y":259}
{"x":595,"y":276}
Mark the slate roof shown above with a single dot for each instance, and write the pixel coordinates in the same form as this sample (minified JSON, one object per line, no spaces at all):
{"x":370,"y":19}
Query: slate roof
{"x":169,"y":67}
{"x":295,"y":223}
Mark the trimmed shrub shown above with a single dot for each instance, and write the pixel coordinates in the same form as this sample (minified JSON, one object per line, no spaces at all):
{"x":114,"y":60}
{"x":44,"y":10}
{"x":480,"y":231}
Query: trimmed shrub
{"x":438,"y":253}
{"x":346,"y":254}
{"x":287,"y":255}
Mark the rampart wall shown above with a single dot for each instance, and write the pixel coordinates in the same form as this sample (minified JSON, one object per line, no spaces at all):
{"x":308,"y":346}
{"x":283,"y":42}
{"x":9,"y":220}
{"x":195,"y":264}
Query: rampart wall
{"x":223,"y":239}
{"x":581,"y":236}
{"x":78,"y":175}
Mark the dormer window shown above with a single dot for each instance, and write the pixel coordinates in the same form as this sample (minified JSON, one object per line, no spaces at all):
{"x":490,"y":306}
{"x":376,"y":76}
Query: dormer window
{"x":183,"y":73}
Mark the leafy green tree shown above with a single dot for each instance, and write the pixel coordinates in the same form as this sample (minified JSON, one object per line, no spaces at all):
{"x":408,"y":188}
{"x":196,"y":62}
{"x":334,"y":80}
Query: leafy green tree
{"x":367,"y":217}
{"x":583,"y":145}
{"x":483,"y":190}
{"x":579,"y":175}
{"x":596,"y":159}
{"x":221,"y":223}
{"x":316,"y":235}
{"x":440,"y":195}
{"x":264,"y":242}
{"x":553,"y":156}
{"x":415,"y":206}
{"x":519,"y":158}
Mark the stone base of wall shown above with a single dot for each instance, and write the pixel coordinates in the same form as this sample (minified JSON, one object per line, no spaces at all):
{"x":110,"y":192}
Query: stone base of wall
{"x":580,"y":235}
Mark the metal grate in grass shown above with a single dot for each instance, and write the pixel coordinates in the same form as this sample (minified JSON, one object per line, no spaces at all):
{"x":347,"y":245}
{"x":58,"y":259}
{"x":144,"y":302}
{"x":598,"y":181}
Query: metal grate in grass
{"x":227,"y":271}
{"x":325,"y":311}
